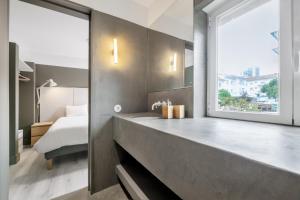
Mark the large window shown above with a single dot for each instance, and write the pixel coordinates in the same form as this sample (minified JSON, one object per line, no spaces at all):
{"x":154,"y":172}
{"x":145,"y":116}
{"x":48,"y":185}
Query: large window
{"x":248,"y":59}
{"x":250,"y":73}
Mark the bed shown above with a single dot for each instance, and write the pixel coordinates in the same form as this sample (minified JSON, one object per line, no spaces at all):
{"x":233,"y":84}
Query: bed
{"x":68,"y":109}
{"x":66,"y":136}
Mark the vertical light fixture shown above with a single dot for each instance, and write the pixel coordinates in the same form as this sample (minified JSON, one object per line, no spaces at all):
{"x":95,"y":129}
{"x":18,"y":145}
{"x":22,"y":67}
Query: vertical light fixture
{"x":174,"y":62}
{"x":115,"y":51}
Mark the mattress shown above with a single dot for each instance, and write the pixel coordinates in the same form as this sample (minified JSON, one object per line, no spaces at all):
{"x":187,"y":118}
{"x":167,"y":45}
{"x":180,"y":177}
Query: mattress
{"x":66,"y":131}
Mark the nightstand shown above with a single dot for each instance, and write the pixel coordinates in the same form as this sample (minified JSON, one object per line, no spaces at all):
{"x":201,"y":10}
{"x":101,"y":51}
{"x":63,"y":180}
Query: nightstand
{"x":38,"y":130}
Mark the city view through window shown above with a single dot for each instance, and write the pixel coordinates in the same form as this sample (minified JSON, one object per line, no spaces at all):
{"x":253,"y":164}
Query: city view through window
{"x":248,"y":59}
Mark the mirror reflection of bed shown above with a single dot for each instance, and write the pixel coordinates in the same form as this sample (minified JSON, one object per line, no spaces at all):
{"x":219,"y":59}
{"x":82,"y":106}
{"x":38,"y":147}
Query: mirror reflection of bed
{"x":66,"y":109}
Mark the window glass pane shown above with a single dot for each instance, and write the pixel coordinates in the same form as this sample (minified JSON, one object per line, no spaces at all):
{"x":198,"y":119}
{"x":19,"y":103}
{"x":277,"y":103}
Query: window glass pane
{"x":248,"y":58}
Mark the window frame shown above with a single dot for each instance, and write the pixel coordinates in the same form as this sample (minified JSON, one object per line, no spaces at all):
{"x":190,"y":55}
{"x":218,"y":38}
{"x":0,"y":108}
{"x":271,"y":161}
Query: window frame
{"x":285,"y":115}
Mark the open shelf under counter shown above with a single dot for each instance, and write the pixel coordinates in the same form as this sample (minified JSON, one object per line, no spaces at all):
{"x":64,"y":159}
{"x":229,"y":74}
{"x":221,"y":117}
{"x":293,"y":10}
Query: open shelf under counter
{"x":141,"y":184}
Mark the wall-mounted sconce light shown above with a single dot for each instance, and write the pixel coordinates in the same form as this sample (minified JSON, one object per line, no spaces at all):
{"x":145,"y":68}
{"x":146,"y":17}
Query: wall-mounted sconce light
{"x":173,"y":64}
{"x":115,"y":51}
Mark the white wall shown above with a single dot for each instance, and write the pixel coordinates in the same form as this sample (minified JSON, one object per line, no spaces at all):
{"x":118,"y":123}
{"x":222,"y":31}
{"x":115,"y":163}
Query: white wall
{"x":54,"y":100}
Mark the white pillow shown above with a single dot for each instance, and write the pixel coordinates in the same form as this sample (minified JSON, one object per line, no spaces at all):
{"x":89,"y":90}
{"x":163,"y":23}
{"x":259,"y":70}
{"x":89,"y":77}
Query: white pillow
{"x":72,"y":111}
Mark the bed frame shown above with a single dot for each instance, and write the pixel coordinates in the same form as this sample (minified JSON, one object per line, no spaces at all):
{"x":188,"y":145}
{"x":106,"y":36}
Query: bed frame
{"x":66,"y":150}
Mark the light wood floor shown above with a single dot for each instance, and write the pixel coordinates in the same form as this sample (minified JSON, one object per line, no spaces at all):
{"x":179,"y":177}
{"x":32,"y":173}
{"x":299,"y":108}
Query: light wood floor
{"x":30,"y":180}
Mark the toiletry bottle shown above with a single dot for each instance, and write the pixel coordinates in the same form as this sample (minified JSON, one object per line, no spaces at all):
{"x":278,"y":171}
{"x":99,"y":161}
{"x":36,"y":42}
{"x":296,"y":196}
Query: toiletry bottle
{"x":167,"y":110}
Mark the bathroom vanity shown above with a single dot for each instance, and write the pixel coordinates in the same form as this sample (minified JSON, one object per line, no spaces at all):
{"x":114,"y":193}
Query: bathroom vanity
{"x":211,"y":158}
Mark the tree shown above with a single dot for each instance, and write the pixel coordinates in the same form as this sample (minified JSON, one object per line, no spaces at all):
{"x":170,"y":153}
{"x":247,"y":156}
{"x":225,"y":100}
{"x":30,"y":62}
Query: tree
{"x":224,"y":93}
{"x":271,"y":89}
{"x":231,"y":103}
{"x":224,"y":97}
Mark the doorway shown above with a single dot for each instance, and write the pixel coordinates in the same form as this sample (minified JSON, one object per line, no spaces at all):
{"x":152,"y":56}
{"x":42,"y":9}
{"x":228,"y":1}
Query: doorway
{"x":50,"y":41}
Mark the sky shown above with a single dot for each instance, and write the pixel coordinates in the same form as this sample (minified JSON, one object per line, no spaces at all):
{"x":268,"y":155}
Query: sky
{"x":246,"y":41}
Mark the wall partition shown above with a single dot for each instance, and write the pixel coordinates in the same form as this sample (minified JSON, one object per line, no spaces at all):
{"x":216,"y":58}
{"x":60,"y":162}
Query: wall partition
{"x":113,"y":83}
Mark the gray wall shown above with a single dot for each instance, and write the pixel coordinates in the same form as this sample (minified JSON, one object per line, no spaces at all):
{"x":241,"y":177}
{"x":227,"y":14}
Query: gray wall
{"x":27,"y":104}
{"x":180,"y":96}
{"x":161,"y":48}
{"x":144,"y":60}
{"x":63,"y":76}
{"x":14,"y":154}
{"x":4,"y":100}
{"x":124,"y":84}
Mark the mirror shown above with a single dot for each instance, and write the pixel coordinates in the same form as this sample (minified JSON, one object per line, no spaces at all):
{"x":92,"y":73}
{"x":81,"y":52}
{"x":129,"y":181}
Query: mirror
{"x":188,"y":64}
{"x":171,"y":40}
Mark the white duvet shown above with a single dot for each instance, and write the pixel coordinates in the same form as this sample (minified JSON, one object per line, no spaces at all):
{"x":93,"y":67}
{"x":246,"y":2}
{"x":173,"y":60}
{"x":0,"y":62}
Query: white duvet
{"x":65,"y":131}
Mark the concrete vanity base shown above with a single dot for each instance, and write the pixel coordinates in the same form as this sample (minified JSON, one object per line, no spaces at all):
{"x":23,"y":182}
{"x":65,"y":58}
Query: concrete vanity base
{"x":142,"y":185}
{"x":215,"y":159}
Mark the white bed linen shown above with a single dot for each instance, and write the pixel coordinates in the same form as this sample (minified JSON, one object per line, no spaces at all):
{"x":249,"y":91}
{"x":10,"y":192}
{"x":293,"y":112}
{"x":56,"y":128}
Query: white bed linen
{"x":64,"y":132}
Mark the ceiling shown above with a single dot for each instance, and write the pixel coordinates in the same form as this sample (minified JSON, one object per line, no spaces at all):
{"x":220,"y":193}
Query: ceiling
{"x":145,"y":3}
{"x":149,"y":13}
{"x":61,"y":41}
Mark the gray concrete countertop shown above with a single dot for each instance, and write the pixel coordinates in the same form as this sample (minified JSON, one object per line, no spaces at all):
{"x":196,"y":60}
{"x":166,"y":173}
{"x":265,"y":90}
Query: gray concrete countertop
{"x":274,"y":145}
